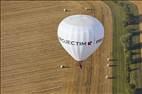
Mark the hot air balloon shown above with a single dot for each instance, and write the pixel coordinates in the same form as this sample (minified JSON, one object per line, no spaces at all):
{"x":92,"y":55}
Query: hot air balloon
{"x":80,"y":35}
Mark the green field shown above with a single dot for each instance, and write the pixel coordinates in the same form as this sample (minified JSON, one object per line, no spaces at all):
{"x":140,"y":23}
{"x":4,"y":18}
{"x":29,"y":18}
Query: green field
{"x":126,"y":81}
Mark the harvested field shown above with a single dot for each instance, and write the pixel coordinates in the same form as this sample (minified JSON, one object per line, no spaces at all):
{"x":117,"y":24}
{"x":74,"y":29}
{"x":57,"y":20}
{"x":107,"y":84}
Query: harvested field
{"x":31,"y":54}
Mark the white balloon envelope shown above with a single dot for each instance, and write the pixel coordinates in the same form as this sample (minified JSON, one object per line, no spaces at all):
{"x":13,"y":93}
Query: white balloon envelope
{"x":80,"y":35}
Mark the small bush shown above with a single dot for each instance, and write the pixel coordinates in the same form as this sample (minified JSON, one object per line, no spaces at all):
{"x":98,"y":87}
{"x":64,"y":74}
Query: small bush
{"x":132,"y":86}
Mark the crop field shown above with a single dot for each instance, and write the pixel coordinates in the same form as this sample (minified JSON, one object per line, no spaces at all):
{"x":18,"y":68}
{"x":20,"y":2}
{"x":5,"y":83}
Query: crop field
{"x":31,"y":54}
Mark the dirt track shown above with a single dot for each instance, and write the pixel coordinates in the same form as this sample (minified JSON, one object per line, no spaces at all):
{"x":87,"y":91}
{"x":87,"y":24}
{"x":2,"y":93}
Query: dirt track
{"x":31,"y":53}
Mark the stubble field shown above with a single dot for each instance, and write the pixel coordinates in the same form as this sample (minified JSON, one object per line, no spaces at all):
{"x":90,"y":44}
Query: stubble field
{"x":31,"y":54}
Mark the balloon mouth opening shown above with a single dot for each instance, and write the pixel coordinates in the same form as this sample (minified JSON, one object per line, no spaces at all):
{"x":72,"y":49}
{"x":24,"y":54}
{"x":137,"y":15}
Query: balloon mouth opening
{"x":79,"y":61}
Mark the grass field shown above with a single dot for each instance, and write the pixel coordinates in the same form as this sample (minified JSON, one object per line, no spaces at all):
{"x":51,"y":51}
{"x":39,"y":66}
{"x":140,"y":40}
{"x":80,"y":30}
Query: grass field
{"x":120,"y":84}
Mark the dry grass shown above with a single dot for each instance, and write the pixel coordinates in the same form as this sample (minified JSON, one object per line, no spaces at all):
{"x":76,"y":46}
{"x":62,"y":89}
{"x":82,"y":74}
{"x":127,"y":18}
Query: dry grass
{"x":31,"y":53}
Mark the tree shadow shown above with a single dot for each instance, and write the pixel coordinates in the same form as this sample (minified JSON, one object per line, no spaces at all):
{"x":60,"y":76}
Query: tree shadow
{"x":133,"y":20}
{"x":137,"y":60}
{"x":135,"y":53}
{"x":135,"y":46}
{"x":138,"y":91}
{"x":112,"y":59}
{"x":112,"y":77}
{"x":113,"y":65}
{"x":132,"y":69}
{"x":67,"y":67}
{"x":136,"y":33}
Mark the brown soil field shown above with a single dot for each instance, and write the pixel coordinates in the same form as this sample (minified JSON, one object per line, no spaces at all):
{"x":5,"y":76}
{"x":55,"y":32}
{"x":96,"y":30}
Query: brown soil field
{"x":31,"y":54}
